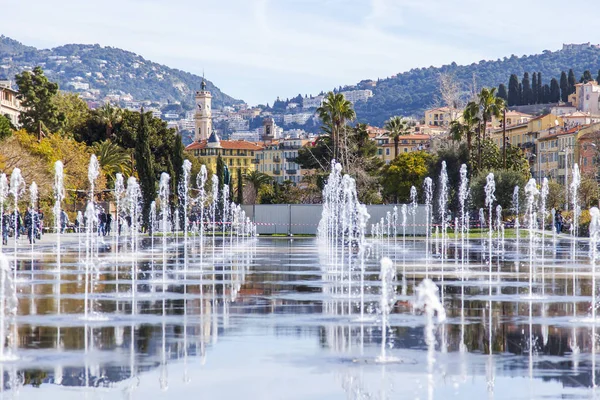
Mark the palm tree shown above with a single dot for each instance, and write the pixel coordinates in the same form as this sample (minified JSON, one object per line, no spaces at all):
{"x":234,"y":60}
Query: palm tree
{"x":113,"y":159}
{"x":489,"y":106}
{"x":468,"y":126}
{"x":109,"y":116}
{"x":335,"y":112}
{"x":396,"y":127}
{"x":257,"y":180}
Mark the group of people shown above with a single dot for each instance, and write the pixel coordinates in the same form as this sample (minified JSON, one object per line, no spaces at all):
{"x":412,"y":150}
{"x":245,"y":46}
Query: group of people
{"x":31,"y":224}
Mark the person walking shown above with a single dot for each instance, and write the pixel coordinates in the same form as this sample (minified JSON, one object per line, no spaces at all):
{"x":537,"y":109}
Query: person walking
{"x":558,"y":221}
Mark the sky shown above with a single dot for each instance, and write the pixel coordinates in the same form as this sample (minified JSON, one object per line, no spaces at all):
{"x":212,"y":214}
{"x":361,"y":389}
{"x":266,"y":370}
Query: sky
{"x":256,"y":50}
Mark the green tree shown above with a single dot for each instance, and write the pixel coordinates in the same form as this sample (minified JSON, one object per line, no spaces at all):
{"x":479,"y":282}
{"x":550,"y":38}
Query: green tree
{"x":540,"y":90}
{"x":335,"y":112}
{"x":258,"y":180}
{"x":586,"y":77}
{"x":177,"y":160}
{"x":572,"y":82}
{"x":564,"y":87}
{"x":396,"y":127}
{"x":502,"y":93}
{"x":408,"y":169}
{"x":513,"y":90}
{"x":74,"y":109}
{"x":108,"y":115}
{"x":467,"y":128}
{"x":489,"y":106}
{"x":527,"y":94}
{"x":36,"y":94}
{"x":555,"y":91}
{"x":220,"y":171}
{"x":144,"y":167}
{"x":534,"y":89}
{"x":6,"y":127}
{"x":113,"y":159}
{"x":505,"y":180}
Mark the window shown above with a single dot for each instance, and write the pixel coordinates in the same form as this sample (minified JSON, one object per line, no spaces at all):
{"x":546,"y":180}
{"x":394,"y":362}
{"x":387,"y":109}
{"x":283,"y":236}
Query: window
{"x":405,"y":150}
{"x":387,"y":152}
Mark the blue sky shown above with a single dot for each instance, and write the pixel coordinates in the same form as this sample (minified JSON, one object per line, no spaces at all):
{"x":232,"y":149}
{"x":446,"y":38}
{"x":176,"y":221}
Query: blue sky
{"x":257,"y":50}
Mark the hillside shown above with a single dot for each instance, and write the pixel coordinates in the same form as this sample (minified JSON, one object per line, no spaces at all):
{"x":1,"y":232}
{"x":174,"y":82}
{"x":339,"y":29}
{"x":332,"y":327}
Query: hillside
{"x":410,"y":93}
{"x":98,"y":71}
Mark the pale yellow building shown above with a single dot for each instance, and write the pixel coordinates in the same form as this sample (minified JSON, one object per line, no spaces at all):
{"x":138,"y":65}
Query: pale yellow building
{"x":9,"y":104}
{"x":407,"y":144}
{"x":441,"y":116}
{"x":238,"y":155}
{"x":277,"y":159}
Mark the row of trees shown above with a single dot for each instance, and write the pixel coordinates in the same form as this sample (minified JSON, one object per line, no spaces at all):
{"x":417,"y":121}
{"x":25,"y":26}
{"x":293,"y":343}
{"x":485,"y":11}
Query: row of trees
{"x":536,"y":92}
{"x":126,"y":142}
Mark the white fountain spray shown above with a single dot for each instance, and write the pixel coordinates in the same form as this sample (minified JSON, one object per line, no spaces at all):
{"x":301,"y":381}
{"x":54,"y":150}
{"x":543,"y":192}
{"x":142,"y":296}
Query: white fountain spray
{"x":8,"y":309}
{"x":429,"y":302}
{"x":201,"y":184}
{"x":531,"y":193}
{"x":515,"y":210}
{"x":163,"y":194}
{"x":4,"y":187}
{"x":17,"y":187}
{"x":594,"y":241}
{"x":133,"y":197}
{"x":403,"y":211}
{"x":413,"y":208}
{"x":118,"y":196}
{"x":490,"y":189}
{"x":386,"y":302}
{"x":59,"y":195}
{"x":442,"y":204}
{"x":428,"y":190}
{"x":184,"y":190}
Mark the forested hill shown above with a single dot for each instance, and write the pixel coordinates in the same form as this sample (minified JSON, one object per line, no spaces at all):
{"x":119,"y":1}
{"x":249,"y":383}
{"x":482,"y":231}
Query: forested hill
{"x":107,"y":70}
{"x":410,"y":93}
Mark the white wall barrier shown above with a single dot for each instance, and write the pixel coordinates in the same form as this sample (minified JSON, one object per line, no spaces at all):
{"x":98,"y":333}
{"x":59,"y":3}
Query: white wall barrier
{"x":304,"y":218}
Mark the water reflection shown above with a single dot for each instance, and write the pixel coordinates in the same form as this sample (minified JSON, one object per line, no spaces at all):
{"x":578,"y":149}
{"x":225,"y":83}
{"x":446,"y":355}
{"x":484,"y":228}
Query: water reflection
{"x":273,"y":306}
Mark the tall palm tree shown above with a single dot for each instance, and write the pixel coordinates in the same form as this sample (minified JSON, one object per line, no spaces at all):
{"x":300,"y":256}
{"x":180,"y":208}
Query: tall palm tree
{"x":396,"y":127}
{"x":489,"y":106}
{"x":467,"y":127}
{"x":113,"y":159}
{"x":109,"y":116}
{"x":335,"y":112}
{"x":257,"y":180}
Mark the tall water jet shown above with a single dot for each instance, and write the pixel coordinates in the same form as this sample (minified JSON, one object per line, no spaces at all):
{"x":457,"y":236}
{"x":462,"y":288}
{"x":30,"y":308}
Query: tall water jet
{"x":201,"y":184}
{"x":91,"y":218}
{"x":463,"y":194}
{"x":59,"y":195}
{"x":133,"y":197}
{"x":594,"y":241}
{"x":184,"y":189}
{"x":403,"y":211}
{"x":490,"y":189}
{"x":163,"y":194}
{"x":4,"y":187}
{"x":531,"y":192}
{"x":363,"y":217}
{"x":93,"y":173}
{"x":442,"y":204}
{"x":575,"y":182}
{"x":515,"y":210}
{"x":413,"y":208}
{"x":118,"y":197}
{"x":17,"y":187}
{"x":8,"y":308}
{"x":386,"y":301}
{"x":544,"y":216}
{"x":429,"y":302}
{"x":213,"y":210}
{"x":428,"y":190}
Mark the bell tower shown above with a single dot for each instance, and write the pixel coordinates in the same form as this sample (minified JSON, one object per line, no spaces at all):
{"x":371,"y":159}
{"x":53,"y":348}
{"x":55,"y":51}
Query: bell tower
{"x":203,"y":116}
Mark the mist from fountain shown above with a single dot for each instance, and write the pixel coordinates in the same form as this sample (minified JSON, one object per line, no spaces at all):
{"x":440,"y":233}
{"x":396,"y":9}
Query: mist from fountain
{"x":59,"y":195}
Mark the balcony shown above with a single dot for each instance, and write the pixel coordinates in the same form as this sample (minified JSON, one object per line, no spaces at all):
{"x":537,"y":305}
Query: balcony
{"x":290,"y":159}
{"x":255,"y":161}
{"x":277,"y":172}
{"x":276,"y":159}
{"x":291,"y":172}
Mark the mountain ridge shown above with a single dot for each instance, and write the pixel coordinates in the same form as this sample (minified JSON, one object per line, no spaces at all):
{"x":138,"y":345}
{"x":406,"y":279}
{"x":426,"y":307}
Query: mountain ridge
{"x":107,"y":70}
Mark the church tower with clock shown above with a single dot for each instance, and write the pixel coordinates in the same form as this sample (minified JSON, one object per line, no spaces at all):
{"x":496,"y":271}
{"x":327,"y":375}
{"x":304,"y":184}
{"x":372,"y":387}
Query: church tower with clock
{"x":203,"y":116}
